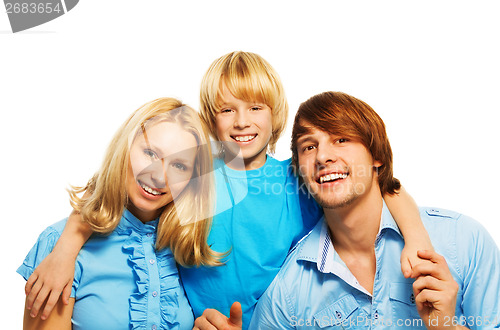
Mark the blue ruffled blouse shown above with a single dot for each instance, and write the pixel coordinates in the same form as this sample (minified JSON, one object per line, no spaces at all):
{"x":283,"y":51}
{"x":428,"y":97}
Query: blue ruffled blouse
{"x":121,"y":281}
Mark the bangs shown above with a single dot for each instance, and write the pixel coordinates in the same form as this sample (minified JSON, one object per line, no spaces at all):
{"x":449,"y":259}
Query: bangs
{"x":330,"y":122}
{"x":248,"y":81}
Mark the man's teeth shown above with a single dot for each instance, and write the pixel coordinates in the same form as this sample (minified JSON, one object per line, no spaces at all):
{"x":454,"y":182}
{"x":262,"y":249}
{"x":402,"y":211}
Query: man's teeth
{"x":244,"y":138}
{"x":332,"y":177}
{"x":149,"y":190}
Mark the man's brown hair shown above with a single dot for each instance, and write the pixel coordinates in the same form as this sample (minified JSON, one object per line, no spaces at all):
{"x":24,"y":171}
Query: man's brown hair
{"x":343,"y":115}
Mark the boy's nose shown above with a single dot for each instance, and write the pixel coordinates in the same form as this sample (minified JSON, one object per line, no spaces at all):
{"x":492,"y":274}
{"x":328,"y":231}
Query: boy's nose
{"x":241,"y":120}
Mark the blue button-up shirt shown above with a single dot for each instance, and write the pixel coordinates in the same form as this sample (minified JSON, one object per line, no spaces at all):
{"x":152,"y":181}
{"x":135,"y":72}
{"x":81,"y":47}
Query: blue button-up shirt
{"x":315,"y":289}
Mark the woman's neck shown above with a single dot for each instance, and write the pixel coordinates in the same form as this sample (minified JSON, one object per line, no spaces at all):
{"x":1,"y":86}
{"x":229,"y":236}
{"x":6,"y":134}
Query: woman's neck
{"x":143,"y":216}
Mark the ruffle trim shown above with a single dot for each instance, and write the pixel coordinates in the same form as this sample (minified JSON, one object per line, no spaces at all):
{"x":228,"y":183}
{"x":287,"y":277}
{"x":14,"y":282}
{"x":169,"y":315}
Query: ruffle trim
{"x":138,"y":302}
{"x":170,"y":287}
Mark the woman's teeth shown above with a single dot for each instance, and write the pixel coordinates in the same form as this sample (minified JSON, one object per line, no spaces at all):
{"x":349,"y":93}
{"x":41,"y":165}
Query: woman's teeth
{"x":244,"y":138}
{"x":332,"y":177}
{"x":150,"y":190}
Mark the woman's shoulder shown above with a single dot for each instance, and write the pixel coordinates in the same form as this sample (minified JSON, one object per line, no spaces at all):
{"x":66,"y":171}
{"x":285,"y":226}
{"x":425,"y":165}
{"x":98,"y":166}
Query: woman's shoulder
{"x":43,"y":246}
{"x":51,"y":234}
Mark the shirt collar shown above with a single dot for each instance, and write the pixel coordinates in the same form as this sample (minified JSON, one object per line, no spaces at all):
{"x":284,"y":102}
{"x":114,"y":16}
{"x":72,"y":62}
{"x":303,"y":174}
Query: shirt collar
{"x":387,"y":221}
{"x":130,"y":221}
{"x":317,"y":247}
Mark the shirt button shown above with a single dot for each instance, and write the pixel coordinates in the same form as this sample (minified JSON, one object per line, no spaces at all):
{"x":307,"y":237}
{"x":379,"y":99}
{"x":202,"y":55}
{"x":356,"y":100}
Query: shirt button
{"x":154,"y":293}
{"x":338,"y":314}
{"x":149,"y":234}
{"x":153,"y":327}
{"x":412,"y":298}
{"x":151,"y":261}
{"x":375,"y":315}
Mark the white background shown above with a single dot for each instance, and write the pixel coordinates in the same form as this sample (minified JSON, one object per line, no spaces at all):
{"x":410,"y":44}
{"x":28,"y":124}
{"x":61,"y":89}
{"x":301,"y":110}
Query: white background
{"x":430,"y":68}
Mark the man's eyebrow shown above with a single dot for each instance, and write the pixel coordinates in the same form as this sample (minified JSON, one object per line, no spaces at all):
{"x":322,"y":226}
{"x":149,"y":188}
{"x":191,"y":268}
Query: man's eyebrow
{"x":305,"y":138}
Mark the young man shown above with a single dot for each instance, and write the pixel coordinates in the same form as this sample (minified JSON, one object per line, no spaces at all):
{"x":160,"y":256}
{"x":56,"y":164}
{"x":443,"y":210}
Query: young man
{"x":345,"y":273}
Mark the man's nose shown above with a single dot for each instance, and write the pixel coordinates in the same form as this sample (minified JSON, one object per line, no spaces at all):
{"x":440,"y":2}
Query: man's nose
{"x":325,"y":154}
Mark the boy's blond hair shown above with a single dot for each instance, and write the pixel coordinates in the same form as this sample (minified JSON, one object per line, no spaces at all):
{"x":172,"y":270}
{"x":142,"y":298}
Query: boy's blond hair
{"x":250,"y":78}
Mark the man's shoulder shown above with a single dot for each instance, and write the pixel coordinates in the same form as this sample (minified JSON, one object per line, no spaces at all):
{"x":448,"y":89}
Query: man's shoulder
{"x":435,"y":213}
{"x":300,"y":257}
{"x":454,"y":235}
{"x":435,"y":217}
{"x":441,"y":222}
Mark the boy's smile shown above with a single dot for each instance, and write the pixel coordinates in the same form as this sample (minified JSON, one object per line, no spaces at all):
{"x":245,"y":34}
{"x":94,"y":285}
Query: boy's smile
{"x":248,"y":125}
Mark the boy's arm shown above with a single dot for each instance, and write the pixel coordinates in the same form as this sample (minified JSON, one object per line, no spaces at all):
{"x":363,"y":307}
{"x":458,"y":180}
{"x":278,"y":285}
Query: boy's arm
{"x":60,"y":319}
{"x":55,"y":273}
{"x":405,"y":212}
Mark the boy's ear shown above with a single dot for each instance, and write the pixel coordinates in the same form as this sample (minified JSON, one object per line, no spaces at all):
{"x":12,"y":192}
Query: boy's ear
{"x":377,"y":163}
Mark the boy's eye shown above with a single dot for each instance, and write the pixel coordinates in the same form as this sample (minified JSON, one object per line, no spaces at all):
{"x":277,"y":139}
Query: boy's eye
{"x":342,"y":140}
{"x":226,"y":110}
{"x":255,"y":108}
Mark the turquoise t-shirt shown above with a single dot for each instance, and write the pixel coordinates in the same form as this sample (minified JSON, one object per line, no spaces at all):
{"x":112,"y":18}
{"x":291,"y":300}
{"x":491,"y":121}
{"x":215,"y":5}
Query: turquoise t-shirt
{"x":121,"y":281}
{"x":259,"y":218}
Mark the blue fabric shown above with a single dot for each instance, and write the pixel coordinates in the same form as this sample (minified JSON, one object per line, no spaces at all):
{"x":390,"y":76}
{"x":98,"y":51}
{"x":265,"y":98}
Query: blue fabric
{"x":121,"y":281}
{"x":259,"y":219}
{"x":315,"y":289}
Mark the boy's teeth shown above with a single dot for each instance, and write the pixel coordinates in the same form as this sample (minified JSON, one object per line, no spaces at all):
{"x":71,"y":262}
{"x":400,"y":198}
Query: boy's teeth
{"x":244,"y":138}
{"x":332,"y":177}
{"x":149,"y":190}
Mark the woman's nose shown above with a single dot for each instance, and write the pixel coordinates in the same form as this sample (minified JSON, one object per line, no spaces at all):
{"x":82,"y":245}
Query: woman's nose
{"x":158,"y":173}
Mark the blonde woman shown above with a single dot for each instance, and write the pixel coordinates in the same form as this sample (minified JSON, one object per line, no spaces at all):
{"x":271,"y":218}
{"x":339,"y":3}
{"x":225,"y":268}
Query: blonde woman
{"x":149,"y":206}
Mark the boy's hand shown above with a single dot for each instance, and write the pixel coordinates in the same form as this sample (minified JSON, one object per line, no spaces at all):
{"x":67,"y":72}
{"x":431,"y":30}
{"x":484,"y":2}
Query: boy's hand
{"x":409,"y":255}
{"x":213,"y":319}
{"x":53,"y":276}
{"x":435,"y":290}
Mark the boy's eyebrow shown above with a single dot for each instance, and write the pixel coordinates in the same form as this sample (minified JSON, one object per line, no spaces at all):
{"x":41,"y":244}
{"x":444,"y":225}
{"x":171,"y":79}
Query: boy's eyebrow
{"x":223,"y":104}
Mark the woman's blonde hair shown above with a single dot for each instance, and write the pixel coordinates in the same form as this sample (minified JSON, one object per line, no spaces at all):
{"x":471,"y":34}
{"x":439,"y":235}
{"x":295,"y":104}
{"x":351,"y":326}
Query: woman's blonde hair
{"x":250,"y":78}
{"x":183,"y":227}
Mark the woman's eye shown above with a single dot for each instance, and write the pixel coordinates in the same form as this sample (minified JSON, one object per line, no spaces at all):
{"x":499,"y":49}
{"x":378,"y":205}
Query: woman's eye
{"x":150,"y":153}
{"x":180,"y":166}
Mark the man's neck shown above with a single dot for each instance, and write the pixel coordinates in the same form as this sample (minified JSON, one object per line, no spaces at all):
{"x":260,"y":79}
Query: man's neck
{"x":354,"y":227}
{"x":353,"y":230}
